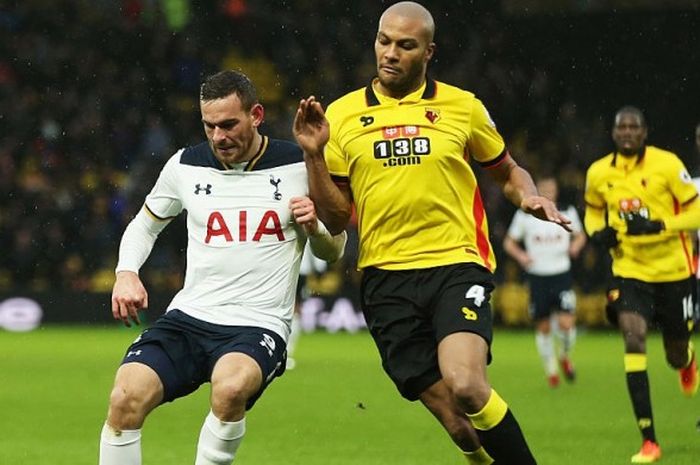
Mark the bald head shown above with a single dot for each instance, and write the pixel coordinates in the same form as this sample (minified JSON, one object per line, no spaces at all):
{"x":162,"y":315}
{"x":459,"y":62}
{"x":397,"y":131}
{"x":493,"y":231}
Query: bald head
{"x":412,"y":11}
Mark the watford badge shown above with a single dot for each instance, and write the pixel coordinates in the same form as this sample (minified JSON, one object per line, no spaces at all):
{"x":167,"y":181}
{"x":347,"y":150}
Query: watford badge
{"x":432,"y":114}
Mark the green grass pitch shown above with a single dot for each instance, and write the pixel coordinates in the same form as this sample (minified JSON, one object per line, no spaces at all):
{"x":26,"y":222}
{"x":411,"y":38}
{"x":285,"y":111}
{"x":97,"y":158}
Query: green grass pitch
{"x":337,"y":407}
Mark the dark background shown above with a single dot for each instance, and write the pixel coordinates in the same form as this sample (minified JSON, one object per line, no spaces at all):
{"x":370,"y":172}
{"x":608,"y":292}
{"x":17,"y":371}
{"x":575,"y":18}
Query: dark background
{"x":96,"y":95}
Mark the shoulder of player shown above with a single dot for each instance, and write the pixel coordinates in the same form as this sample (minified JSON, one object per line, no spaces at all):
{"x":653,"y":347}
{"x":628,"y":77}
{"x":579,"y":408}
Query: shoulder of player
{"x":443,"y":89}
{"x":600,"y":164}
{"x":197,"y":155}
{"x":660,"y":155}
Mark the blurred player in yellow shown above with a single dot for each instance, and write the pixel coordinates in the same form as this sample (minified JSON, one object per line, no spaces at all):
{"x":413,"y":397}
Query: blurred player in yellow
{"x":402,"y":149}
{"x":642,"y":205}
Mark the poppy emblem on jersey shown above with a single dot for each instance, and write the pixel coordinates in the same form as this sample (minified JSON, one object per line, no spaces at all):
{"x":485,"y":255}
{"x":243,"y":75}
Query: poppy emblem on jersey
{"x":432,"y":114}
{"x":198,"y":188}
{"x":275,"y":182}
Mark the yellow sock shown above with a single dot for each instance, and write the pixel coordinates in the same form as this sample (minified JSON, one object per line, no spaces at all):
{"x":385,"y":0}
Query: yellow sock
{"x":635,"y":362}
{"x":478,"y":457}
{"x":492,"y":413}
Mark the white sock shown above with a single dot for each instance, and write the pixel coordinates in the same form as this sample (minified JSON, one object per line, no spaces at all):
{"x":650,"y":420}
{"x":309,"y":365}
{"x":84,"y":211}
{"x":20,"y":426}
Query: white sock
{"x":545,"y":347}
{"x":219,"y":440}
{"x":567,"y":339}
{"x":122,"y":448}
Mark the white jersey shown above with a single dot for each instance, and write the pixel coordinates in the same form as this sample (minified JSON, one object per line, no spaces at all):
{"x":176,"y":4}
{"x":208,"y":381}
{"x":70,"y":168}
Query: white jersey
{"x":243,"y":247}
{"x":547,"y":243}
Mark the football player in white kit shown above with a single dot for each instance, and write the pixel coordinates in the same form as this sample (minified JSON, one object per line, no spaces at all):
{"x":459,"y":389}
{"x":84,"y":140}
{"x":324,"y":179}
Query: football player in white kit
{"x":545,"y":255}
{"x":248,"y":219}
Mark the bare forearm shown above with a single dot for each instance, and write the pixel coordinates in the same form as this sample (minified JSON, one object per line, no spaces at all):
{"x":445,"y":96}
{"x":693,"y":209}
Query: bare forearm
{"x":332,"y":205}
{"x":518,"y":185}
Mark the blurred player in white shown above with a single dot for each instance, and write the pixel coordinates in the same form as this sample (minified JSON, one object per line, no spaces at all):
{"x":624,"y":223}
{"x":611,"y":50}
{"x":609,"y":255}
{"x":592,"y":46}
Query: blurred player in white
{"x":544,"y":250}
{"x":248,"y":219}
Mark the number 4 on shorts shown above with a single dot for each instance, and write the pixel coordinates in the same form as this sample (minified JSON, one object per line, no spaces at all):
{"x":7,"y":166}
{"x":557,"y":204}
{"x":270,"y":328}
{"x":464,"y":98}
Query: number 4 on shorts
{"x":476,"y":293}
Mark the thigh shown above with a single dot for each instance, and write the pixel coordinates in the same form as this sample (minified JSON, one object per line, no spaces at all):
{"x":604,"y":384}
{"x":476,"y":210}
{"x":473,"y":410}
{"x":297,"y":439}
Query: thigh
{"x":462,"y":302}
{"x":166,"y":349}
{"x":462,"y":358}
{"x":401,"y":329}
{"x":253,"y":356}
{"x":630,"y":295}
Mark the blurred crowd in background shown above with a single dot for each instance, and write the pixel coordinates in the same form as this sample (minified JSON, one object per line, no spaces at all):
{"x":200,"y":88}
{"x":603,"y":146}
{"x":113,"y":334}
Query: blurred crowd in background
{"x":96,"y":95}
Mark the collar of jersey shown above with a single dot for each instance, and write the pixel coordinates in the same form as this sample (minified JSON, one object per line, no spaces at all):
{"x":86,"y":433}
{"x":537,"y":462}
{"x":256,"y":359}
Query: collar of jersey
{"x":374,"y":97}
{"x":639,"y":157}
{"x":250,"y":164}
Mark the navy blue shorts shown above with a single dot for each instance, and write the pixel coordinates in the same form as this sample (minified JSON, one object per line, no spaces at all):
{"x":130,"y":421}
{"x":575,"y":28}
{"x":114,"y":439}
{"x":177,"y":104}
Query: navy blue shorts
{"x":551,"y":294}
{"x":183,"y":350}
{"x":409,"y":312}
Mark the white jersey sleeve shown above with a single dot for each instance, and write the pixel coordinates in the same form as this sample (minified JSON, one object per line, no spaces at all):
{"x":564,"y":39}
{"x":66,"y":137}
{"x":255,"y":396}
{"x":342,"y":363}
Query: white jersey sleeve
{"x":164,"y":200}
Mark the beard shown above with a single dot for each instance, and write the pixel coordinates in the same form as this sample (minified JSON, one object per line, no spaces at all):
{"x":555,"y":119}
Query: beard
{"x":403,"y":83}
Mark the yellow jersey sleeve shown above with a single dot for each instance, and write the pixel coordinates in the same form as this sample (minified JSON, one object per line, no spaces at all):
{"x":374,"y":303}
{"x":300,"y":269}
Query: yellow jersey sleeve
{"x":485,"y":143}
{"x":679,"y":181}
{"x":592,"y":194}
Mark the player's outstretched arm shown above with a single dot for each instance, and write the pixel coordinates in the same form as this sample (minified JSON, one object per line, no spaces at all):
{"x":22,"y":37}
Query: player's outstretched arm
{"x":128,"y":297}
{"x":519,"y":188}
{"x":312,"y":132}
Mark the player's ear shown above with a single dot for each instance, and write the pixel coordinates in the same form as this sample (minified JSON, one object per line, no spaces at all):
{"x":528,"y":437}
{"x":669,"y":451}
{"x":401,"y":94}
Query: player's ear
{"x":429,"y":51}
{"x":257,"y":112}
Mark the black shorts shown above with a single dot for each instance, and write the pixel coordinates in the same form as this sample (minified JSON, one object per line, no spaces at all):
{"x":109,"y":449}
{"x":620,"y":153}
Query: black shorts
{"x":666,"y":305}
{"x":409,"y":312}
{"x":183,"y":351}
{"x":551,"y":294}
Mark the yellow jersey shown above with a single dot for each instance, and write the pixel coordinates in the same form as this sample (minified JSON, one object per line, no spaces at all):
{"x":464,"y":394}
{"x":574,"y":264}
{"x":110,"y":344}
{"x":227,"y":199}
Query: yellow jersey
{"x":407,"y":163}
{"x":656,"y":185}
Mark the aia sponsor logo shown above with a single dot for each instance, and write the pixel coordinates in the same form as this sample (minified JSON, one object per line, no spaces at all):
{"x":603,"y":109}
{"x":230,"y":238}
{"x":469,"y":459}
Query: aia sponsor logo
{"x":237,"y":228}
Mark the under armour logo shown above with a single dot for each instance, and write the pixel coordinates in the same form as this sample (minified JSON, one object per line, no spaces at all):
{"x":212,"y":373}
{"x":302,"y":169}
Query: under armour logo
{"x":198,"y":188}
{"x":366,"y":120}
{"x":133,"y":352}
{"x":276,"y":182}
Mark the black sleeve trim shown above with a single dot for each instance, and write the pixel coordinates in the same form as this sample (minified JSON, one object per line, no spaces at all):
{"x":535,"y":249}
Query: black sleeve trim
{"x":496,"y":161}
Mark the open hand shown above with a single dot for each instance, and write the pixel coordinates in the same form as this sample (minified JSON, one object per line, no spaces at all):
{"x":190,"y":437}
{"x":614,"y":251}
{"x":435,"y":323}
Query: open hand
{"x":545,"y":209}
{"x":311,"y":129}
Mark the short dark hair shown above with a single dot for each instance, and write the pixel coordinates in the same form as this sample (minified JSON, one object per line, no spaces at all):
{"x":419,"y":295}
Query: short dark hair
{"x":631,"y":110}
{"x":225,"y":83}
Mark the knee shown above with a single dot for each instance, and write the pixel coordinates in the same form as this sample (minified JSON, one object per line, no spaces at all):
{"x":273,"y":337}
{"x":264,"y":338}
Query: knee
{"x":228,"y":399}
{"x":634,"y":342}
{"x":471,"y":392}
{"x":128,"y":407}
